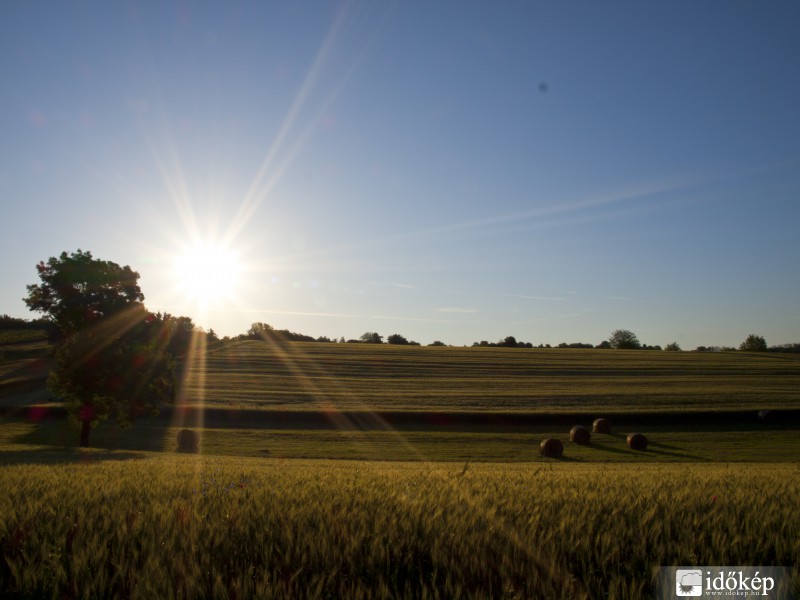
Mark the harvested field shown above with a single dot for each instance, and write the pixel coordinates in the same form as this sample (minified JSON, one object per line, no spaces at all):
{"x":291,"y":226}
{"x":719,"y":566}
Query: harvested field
{"x":311,"y":376}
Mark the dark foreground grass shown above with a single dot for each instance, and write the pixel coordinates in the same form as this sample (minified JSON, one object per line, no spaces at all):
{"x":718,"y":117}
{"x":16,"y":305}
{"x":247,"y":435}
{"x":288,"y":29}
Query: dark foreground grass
{"x":134,"y":525}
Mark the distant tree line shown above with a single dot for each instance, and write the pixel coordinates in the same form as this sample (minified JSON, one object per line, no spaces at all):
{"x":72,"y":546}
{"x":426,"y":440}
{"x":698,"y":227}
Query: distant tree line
{"x":7,"y":322}
{"x":267,"y":333}
{"x":370,"y":337}
{"x":175,"y":333}
{"x":178,"y":332}
{"x":793,"y":348}
{"x":507,"y":342}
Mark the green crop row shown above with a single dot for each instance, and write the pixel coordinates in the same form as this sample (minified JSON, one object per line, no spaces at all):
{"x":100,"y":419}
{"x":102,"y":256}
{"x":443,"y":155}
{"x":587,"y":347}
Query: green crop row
{"x":52,"y":438}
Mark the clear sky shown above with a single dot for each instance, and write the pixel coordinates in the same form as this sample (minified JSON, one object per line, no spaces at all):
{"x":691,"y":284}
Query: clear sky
{"x":454,"y":171}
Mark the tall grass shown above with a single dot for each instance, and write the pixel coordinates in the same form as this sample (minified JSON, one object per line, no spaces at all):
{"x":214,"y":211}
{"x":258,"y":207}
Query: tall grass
{"x":189,"y":527}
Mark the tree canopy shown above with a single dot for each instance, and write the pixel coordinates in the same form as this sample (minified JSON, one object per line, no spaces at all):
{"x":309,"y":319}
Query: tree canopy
{"x":77,"y":290}
{"x":754,"y":343}
{"x":112,"y":359}
{"x":622,"y":339}
{"x":267,"y":333}
{"x":370,"y":337}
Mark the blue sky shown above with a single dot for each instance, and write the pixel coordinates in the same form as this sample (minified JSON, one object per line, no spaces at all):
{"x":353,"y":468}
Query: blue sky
{"x":455,"y":171}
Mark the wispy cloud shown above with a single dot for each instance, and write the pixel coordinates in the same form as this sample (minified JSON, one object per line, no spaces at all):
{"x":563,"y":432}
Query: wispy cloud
{"x":404,"y":286}
{"x":552,"y":212}
{"x":298,"y":313}
{"x":639,"y":192}
{"x":456,"y":309}
{"x":628,"y":299}
{"x":523,"y":296}
{"x":546,"y":319}
{"x":401,"y":318}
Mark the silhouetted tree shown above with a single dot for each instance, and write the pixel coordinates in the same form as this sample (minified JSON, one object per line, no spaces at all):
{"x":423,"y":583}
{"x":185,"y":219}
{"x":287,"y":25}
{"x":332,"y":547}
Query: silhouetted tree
{"x":110,"y":357}
{"x":507,"y":342}
{"x":77,"y":291}
{"x":178,"y":333}
{"x":672,"y":347}
{"x":260,"y":331}
{"x":370,"y":337}
{"x":754,"y":343}
{"x":622,"y":339}
{"x":396,"y":338}
{"x":267,"y":333}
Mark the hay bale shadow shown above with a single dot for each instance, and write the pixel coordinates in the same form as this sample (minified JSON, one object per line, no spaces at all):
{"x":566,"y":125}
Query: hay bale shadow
{"x":563,"y":458}
{"x":606,"y":448}
{"x":654,"y":449}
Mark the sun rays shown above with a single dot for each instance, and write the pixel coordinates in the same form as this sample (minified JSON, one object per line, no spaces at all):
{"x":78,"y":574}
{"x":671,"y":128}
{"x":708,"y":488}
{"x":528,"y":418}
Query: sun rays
{"x":209,"y":265}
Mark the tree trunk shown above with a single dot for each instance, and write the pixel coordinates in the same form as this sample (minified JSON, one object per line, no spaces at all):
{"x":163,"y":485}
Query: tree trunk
{"x":86,"y":427}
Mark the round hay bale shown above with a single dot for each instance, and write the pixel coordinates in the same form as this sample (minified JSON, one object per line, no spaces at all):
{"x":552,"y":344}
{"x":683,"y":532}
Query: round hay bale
{"x":637,"y":441}
{"x":188,"y":441}
{"x":579,"y":435}
{"x":551,"y":448}
{"x":601,"y":426}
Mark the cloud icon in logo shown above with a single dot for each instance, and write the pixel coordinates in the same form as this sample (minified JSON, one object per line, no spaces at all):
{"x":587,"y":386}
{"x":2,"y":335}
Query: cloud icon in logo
{"x":688,"y":582}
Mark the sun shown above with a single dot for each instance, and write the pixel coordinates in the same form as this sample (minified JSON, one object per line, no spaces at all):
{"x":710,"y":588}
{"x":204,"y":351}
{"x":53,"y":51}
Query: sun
{"x":207,"y":272}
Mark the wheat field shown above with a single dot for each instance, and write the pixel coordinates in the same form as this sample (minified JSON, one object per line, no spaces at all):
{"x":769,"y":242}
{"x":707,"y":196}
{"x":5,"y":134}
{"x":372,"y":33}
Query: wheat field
{"x":200,"y":527}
